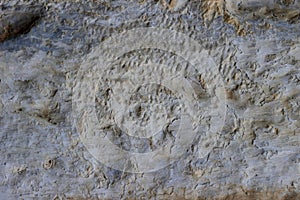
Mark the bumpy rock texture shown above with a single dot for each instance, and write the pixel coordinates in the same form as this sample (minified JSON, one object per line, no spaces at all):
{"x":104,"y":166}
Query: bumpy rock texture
{"x":255,"y":46}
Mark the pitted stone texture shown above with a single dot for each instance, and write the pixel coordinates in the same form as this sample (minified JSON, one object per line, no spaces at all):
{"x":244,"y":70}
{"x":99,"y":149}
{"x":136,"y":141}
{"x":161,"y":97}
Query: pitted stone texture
{"x":257,"y":154}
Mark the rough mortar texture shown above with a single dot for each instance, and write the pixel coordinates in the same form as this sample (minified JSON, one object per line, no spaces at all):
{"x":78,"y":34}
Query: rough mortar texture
{"x":255,"y":46}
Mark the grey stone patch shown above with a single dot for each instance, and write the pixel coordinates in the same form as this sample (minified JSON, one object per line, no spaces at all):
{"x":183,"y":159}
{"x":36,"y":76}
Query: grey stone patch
{"x":258,"y":148}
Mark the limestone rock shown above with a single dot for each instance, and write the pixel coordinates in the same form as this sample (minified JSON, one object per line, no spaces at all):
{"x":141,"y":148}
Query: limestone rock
{"x":200,"y":99}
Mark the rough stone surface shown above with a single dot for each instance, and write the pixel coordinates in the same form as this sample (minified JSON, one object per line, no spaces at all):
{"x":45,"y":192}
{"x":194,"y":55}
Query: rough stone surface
{"x":255,"y":47}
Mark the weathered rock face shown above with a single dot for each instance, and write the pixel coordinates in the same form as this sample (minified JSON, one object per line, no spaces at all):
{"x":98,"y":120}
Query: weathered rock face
{"x":150,"y":99}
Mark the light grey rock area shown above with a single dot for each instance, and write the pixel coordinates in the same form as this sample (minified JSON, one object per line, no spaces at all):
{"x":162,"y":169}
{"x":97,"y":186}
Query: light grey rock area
{"x":157,"y":99}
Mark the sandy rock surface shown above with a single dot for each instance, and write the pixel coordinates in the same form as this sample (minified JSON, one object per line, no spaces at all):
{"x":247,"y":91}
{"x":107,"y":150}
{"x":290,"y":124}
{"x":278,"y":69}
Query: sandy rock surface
{"x":149,"y":99}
